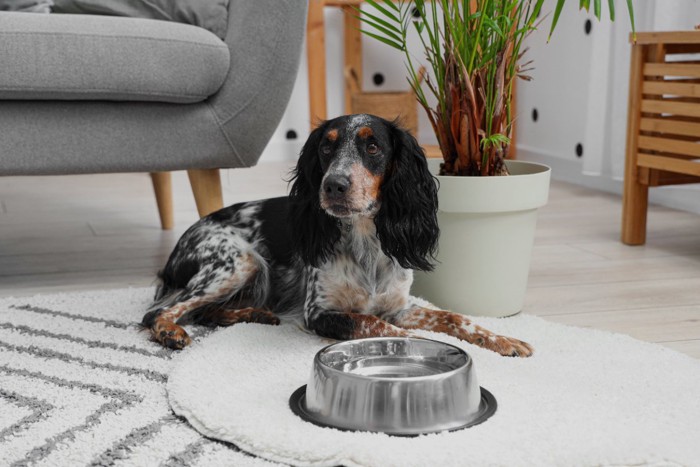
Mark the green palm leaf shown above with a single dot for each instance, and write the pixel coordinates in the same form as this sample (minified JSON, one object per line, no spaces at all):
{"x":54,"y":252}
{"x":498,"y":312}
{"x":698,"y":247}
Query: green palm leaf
{"x":392,"y":5}
{"x":384,"y":40}
{"x":631,"y":10}
{"x":393,"y":33}
{"x":393,"y":27}
{"x":383,"y":10}
{"x":555,"y":19}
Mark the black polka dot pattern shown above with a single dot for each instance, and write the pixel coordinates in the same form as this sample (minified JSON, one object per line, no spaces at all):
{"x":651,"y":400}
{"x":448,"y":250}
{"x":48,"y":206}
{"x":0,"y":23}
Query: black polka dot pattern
{"x":588,"y":26}
{"x":579,"y":150}
{"x":291,"y":134}
{"x":378,"y":79}
{"x":535,"y":115}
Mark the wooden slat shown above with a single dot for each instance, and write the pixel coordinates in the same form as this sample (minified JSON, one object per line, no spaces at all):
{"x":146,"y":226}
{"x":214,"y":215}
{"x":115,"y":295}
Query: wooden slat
{"x":342,"y":3}
{"x":670,"y":126}
{"x":432,"y":151}
{"x":687,"y":109}
{"x":662,"y":178}
{"x":669,"y":145}
{"x":669,"y":163}
{"x":672,"y":69}
{"x":668,"y":154}
{"x":672,"y":88}
{"x":673,"y":37}
{"x":680,"y":69}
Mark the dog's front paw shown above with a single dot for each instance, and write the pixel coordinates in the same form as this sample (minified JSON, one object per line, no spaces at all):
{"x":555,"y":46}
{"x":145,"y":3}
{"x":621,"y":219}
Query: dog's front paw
{"x":171,"y":335}
{"x":508,"y":346}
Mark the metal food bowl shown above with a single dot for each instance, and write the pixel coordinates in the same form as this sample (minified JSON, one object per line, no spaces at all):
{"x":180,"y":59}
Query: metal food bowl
{"x":398,"y":386}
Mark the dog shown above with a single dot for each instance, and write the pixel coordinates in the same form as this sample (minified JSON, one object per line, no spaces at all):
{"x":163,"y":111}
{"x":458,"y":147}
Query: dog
{"x":339,"y":251}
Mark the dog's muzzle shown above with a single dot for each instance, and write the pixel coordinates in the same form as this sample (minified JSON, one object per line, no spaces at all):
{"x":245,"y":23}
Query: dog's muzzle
{"x":335,"y":195}
{"x":335,"y":187}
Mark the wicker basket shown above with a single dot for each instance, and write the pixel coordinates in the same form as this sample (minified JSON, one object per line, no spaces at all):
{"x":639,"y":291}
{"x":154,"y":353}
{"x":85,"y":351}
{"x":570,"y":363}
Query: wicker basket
{"x":388,"y":105}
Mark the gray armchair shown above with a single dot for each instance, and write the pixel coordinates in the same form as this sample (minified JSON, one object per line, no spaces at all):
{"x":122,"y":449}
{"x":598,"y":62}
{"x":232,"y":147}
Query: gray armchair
{"x":96,"y":94}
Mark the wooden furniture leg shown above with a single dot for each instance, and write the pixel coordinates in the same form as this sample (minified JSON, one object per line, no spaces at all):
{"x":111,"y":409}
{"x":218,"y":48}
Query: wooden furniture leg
{"x":206,"y":187}
{"x":162,"y":185}
{"x":635,"y":201}
{"x":352,"y":50}
{"x":316,"y":57}
{"x":635,"y":194}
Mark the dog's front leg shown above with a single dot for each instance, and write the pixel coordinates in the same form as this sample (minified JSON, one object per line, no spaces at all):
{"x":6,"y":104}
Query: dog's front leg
{"x":347,"y":325}
{"x":459,"y":326}
{"x":322,"y":317}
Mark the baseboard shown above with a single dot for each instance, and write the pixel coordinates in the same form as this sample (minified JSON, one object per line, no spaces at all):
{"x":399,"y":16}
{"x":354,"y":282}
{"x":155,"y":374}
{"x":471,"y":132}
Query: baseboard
{"x":685,"y":197}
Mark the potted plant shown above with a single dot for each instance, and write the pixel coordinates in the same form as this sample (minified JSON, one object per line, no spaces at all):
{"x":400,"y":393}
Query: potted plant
{"x":487,"y":219}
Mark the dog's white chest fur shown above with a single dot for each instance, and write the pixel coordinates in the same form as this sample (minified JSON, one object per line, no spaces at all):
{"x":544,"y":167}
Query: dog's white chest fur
{"x":360,"y":278}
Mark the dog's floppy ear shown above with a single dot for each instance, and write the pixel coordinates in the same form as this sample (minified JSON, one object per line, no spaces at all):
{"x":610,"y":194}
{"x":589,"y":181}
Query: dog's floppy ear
{"x":407,"y":219}
{"x":313,"y":231}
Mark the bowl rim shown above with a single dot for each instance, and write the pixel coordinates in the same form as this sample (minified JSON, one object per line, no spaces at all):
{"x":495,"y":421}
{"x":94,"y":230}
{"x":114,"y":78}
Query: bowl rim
{"x":467,"y":363}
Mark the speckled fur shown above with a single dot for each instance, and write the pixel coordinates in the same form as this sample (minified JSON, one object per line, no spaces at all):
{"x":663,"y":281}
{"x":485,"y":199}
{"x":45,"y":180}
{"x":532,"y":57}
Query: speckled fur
{"x":339,"y":252}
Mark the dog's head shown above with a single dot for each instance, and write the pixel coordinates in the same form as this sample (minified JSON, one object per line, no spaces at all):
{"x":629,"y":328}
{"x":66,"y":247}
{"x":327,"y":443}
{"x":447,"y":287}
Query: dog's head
{"x":364,"y":166}
{"x":354,"y":154}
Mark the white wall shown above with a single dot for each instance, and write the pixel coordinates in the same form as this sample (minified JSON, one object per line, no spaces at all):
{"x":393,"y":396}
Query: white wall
{"x":579,"y":90}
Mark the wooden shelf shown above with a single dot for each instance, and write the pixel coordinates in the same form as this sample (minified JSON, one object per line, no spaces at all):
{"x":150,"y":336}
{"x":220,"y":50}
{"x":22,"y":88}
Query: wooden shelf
{"x":432,"y":150}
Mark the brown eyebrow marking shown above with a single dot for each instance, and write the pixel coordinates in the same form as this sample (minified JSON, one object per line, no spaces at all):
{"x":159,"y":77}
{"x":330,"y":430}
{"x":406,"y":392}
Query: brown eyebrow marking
{"x":365,"y":132}
{"x":332,"y":135}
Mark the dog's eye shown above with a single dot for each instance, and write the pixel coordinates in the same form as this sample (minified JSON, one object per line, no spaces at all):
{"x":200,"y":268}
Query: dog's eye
{"x":372,"y":148}
{"x":325,"y":150}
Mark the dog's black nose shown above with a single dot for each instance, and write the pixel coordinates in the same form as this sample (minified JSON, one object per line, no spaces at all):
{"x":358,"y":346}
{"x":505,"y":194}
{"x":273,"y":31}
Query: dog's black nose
{"x":336,"y":185}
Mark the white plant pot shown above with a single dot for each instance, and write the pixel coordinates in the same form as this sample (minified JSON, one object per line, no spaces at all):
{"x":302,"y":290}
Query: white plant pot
{"x":487,"y":229}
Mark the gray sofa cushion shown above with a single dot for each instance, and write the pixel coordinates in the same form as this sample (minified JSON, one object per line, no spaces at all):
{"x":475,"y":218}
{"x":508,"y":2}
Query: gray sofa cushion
{"x":68,"y":57}
{"x":29,"y":6}
{"x":208,"y":14}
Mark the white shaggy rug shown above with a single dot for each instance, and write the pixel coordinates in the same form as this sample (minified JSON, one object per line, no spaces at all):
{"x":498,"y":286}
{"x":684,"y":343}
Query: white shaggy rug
{"x":586,"y":398}
{"x":81,"y":385}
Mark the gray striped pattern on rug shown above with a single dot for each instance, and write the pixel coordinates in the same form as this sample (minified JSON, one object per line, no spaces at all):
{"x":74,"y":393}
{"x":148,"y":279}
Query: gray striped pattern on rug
{"x":80,"y":384}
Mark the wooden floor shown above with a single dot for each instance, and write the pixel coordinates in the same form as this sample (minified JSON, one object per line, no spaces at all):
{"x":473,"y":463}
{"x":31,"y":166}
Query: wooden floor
{"x":102,"y":231}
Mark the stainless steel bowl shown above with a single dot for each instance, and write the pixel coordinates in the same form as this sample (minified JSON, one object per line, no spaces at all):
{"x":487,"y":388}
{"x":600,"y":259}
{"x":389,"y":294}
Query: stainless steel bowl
{"x":399,"y":386}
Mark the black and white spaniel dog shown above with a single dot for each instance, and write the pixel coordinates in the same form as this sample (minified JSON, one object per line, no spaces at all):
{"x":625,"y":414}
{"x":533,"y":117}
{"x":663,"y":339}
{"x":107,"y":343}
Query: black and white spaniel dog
{"x":339,"y":250}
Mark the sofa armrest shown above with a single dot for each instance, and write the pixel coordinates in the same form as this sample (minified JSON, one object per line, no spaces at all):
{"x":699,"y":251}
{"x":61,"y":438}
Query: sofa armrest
{"x":265,"y":39}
